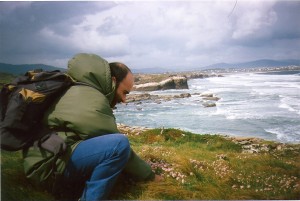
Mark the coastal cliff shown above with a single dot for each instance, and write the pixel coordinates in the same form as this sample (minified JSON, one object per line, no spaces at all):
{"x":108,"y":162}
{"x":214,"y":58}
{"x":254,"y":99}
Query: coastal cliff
{"x":169,"y":83}
{"x":154,"y":82}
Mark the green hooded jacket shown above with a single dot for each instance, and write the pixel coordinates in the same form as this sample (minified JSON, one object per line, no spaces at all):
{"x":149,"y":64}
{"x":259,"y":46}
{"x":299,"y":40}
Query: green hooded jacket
{"x":82,"y":112}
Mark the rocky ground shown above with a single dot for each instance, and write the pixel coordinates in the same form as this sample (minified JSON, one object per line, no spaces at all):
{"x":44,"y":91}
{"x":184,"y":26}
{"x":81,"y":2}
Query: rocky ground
{"x":207,"y":99}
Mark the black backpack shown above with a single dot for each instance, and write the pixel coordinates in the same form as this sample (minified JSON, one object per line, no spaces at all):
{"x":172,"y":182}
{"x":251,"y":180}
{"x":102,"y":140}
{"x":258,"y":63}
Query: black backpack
{"x":22,"y":106}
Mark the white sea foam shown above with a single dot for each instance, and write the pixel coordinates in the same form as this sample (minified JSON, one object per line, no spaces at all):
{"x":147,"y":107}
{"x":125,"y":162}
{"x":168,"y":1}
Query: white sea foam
{"x":283,"y":134}
{"x":286,"y":106}
{"x":292,"y":104}
{"x":233,"y":114}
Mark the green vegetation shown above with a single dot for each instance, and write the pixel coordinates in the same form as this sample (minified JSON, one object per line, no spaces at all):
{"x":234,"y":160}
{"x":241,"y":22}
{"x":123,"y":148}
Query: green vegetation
{"x":193,"y":167}
{"x":14,"y":185}
{"x":21,"y":69}
{"x":5,"y":78}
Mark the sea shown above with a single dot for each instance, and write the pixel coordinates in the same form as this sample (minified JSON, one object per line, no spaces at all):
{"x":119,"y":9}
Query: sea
{"x":263,"y":105}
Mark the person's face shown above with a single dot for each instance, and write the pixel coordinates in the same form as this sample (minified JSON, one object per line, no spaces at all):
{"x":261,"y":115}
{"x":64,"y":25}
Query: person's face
{"x":123,"y":89}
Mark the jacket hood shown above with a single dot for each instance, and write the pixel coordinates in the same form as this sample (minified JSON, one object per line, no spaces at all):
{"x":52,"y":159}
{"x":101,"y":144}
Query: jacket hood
{"x":93,"y":70}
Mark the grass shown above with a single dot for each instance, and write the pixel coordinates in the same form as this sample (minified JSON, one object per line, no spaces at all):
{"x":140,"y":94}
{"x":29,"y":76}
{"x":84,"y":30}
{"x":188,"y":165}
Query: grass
{"x":14,"y":185}
{"x":5,"y":78}
{"x":193,"y":166}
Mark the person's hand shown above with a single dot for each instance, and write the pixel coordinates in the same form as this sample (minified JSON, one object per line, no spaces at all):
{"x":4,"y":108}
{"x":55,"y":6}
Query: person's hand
{"x":158,"y":178}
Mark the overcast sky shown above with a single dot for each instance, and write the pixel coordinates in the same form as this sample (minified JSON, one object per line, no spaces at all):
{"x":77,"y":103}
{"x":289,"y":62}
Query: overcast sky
{"x":145,"y":34}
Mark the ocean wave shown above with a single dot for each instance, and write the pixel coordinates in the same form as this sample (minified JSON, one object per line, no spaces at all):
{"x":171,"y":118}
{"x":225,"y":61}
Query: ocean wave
{"x":292,"y":104}
{"x":289,"y":134}
{"x":255,"y":80}
{"x":286,"y":106}
{"x":238,"y":114}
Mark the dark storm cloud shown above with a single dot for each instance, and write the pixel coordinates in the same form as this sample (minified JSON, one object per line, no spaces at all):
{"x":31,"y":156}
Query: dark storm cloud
{"x":22,"y":22}
{"x":288,"y":23}
{"x":36,"y":15}
{"x":150,"y":33}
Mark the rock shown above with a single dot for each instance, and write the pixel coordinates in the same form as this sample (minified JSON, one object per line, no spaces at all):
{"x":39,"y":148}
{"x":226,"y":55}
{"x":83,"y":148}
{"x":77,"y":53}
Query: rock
{"x":180,"y":82}
{"x":206,"y":94}
{"x":209,"y":104}
{"x":131,"y":130}
{"x":157,"y":102}
{"x":196,"y":93}
{"x":211,"y":98}
{"x":152,"y":86}
{"x":170,"y":83}
{"x":197,"y":75}
{"x":156,"y":98}
{"x":167,"y":84}
{"x":244,"y":142}
{"x":137,"y":97}
{"x":264,"y":148}
{"x":249,"y":151}
{"x":185,"y":95}
{"x":222,"y":156}
{"x":247,"y":146}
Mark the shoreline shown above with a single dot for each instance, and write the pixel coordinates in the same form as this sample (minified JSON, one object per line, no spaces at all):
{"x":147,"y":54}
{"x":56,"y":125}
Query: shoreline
{"x":249,"y":144}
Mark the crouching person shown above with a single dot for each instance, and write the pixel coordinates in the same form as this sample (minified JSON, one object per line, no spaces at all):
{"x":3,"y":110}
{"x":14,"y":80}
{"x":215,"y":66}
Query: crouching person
{"x":96,"y":153}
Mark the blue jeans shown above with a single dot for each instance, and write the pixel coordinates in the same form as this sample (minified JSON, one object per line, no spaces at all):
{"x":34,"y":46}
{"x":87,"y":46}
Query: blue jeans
{"x":97,"y":162}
